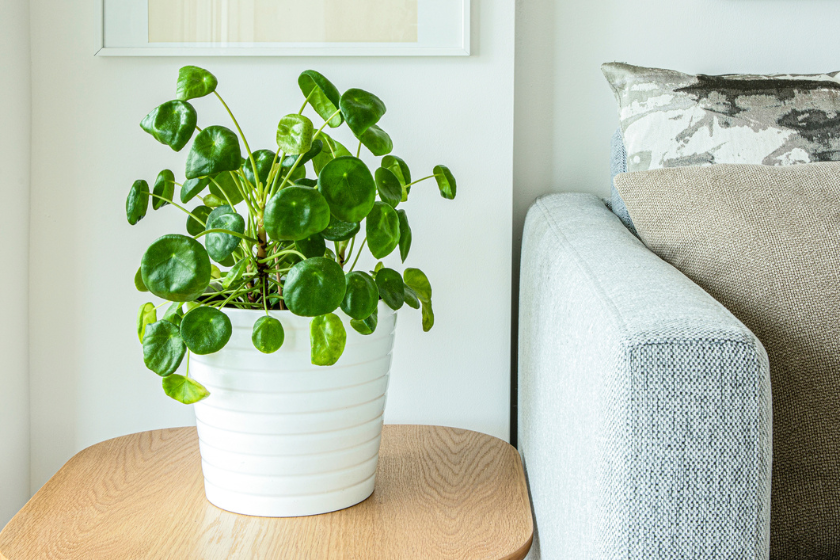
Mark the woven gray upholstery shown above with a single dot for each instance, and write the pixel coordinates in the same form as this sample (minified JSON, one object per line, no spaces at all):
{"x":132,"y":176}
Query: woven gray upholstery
{"x":644,"y":405}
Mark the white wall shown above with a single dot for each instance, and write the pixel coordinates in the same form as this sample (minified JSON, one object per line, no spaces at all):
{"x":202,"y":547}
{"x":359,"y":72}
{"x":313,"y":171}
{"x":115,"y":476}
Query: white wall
{"x":14,"y":251}
{"x":87,"y":377}
{"x":564,"y":109}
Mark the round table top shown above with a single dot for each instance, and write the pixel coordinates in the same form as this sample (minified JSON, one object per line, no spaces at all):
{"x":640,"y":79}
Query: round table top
{"x":441,"y":493}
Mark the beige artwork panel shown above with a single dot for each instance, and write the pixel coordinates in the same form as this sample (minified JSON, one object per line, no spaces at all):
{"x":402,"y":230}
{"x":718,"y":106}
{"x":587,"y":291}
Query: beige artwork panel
{"x":282,"y":21}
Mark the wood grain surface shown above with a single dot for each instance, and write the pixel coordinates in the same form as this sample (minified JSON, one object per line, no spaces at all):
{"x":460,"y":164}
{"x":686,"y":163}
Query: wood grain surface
{"x":441,"y":493}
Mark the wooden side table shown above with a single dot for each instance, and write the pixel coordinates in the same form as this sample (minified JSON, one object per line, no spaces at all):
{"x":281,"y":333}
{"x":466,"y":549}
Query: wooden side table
{"x":441,"y":493}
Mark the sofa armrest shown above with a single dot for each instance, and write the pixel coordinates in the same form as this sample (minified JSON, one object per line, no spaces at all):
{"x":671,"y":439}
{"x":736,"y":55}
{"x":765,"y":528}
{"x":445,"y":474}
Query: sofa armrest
{"x":644,"y":405}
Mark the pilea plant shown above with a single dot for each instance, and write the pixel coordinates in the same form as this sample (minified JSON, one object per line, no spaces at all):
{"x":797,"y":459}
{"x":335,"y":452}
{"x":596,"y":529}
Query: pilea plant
{"x":266,"y":223}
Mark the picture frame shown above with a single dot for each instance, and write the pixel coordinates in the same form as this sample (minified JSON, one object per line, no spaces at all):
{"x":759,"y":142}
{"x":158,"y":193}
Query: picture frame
{"x":143,"y":28}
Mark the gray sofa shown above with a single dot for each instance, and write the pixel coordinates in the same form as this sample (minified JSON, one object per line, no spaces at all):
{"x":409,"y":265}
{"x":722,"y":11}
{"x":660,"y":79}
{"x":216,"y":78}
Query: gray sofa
{"x":644,"y":405}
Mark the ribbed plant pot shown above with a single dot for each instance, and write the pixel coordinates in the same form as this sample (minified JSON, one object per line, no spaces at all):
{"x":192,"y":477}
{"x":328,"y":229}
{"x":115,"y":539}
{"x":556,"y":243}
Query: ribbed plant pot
{"x":280,"y":437}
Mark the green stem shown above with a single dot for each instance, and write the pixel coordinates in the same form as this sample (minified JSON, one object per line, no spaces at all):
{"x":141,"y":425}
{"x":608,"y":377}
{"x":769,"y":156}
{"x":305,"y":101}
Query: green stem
{"x":196,"y":218}
{"x":280,"y":254}
{"x":359,"y":254}
{"x":306,"y":101}
{"x":423,"y":179}
{"x":359,"y":149}
{"x":242,"y":134}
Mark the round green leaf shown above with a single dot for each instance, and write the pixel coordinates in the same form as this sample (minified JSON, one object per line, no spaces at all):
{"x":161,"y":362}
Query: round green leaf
{"x":145,"y":316}
{"x":174,"y":314}
{"x":234,"y":274}
{"x":331,"y":150}
{"x":349,"y":188}
{"x":221,"y":245}
{"x":366,"y":325}
{"x":417,"y":281}
{"x":322,"y":95}
{"x":377,"y":141}
{"x":267,"y":335}
{"x":340,"y":231}
{"x":224,"y":187}
{"x":304,"y":182}
{"x":312,"y":246}
{"x":165,"y":187}
{"x":361,"y":295}
{"x":389,"y":187}
{"x":176,"y":267}
{"x":192,"y":187}
{"x":391,"y":287}
{"x":361,"y":110}
{"x":296,"y":213}
{"x":445,"y":181}
{"x":184,"y":389}
{"x":294,"y":134}
{"x":314,"y":287}
{"x":194,"y":227}
{"x":137,"y":202}
{"x":138,"y":281}
{"x":264,"y":160}
{"x":327,"y":338}
{"x":383,"y":230}
{"x":411,"y":298}
{"x":213,"y":201}
{"x":172,"y":123}
{"x":405,"y":235}
{"x":398,"y":167}
{"x":214,"y":150}
{"x":163,"y":348}
{"x":205,"y":330}
{"x":194,"y":82}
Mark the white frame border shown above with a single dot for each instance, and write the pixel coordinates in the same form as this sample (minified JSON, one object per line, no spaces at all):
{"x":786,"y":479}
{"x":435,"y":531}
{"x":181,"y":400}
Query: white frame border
{"x":326,"y":50}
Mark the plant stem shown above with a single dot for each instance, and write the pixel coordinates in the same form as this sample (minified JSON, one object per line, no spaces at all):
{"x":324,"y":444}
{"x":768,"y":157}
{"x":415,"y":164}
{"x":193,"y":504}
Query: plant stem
{"x":359,"y":149}
{"x":423,"y":179}
{"x":281,"y":253}
{"x":306,"y":101}
{"x":196,"y":218}
{"x":242,"y":134}
{"x":359,"y":254}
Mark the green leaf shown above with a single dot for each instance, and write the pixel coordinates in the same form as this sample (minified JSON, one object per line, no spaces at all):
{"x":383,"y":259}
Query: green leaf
{"x":367,"y":325}
{"x":391,"y":287}
{"x":417,"y":281}
{"x":327,"y":338}
{"x":304,"y":182}
{"x":234,"y":274}
{"x":340,"y":231}
{"x":312,"y":246}
{"x":296,"y":213}
{"x":398,"y":167}
{"x":194,"y":82}
{"x":322,"y":95}
{"x":361,"y":295}
{"x":389,"y":187}
{"x":145,"y":316}
{"x":174,"y":314}
{"x":138,"y":282}
{"x":137,"y":202}
{"x":221,"y":245}
{"x":331,"y":150}
{"x":184,"y":389}
{"x":405,"y":235}
{"x":348,"y":187}
{"x":294,"y":134}
{"x":361,"y":110}
{"x":205,"y":330}
{"x":383,"y":230}
{"x":267,"y":335}
{"x":163,"y":348}
{"x":194,"y":227}
{"x":165,"y":187}
{"x":445,"y":181}
{"x":264,"y":160}
{"x":214,"y":150}
{"x":192,"y":187}
{"x":213,"y":201}
{"x":377,"y":141}
{"x":314,"y":150}
{"x":172,"y":123}
{"x":411,"y":298}
{"x":176,"y":267}
{"x":314,"y":287}
{"x":224,"y":187}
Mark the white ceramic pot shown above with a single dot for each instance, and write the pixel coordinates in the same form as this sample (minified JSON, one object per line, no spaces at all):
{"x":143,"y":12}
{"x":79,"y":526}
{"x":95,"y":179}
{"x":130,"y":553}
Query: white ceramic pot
{"x":280,"y":437}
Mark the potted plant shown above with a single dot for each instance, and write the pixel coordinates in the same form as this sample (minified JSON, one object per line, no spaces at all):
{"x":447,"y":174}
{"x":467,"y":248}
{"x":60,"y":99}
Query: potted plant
{"x":262,"y":291}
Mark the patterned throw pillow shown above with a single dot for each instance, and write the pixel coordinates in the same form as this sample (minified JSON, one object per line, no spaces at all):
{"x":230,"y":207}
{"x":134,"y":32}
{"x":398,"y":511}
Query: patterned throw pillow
{"x":671,"y":119}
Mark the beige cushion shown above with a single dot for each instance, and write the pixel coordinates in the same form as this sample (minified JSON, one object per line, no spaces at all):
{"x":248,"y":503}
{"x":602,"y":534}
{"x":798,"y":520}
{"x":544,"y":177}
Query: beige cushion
{"x":765,"y":242}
